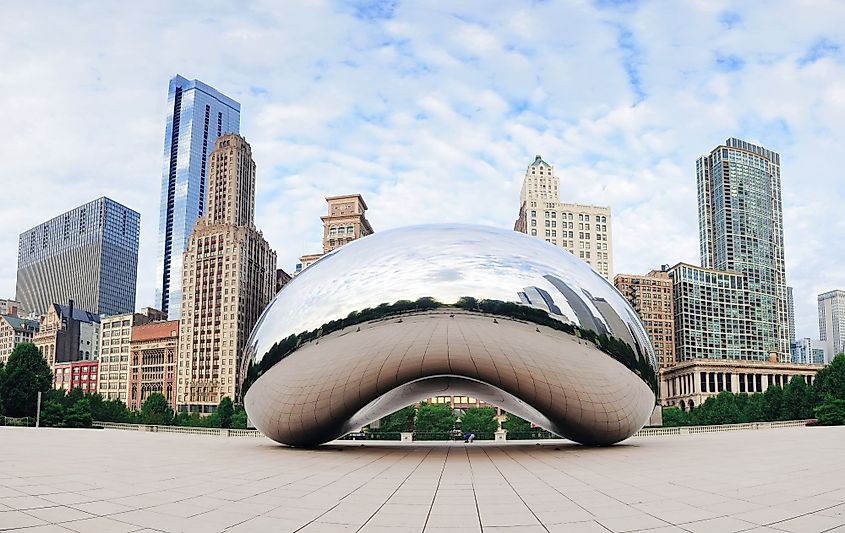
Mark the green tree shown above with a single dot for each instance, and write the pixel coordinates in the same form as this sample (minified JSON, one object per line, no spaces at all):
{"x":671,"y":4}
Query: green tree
{"x":773,"y":403}
{"x":797,"y":401}
{"x":26,"y":374}
{"x":831,"y":412}
{"x":434,"y":418}
{"x":479,"y":420}
{"x":238,"y":418}
{"x":755,"y":408}
{"x":672,"y":416}
{"x":79,"y":414}
{"x":515,"y":424}
{"x":110,"y":411}
{"x":74,"y":395}
{"x":830,"y":380}
{"x":399,"y":421}
{"x":52,"y":413}
{"x":156,"y":411}
{"x":191,"y":420}
{"x":224,"y":412}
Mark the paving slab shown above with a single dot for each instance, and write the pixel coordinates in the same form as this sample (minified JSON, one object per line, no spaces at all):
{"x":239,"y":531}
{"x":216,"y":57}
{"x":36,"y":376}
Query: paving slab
{"x":54,"y":480}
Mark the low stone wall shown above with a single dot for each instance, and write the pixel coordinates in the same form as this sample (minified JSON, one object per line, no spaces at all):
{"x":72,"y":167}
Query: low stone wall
{"x":645,"y":432}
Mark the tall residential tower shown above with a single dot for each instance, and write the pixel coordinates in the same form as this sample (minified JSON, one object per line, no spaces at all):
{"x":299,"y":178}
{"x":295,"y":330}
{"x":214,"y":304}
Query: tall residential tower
{"x":196,"y":116}
{"x":584,"y":230}
{"x":832,"y":321}
{"x":741,"y":230}
{"x":88,"y":255}
{"x":228,"y":279}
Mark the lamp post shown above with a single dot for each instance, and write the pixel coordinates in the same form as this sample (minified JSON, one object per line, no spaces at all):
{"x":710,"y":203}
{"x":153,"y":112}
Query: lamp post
{"x":38,"y":411}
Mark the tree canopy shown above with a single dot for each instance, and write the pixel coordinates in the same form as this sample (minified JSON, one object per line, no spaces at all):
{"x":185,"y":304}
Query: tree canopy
{"x":25,"y":374}
{"x":434,"y":418}
{"x":479,"y":420}
{"x":156,"y":410}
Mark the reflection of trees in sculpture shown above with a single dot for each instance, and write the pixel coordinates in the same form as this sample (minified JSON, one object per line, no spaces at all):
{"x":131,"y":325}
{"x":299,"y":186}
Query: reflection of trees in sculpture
{"x":613,"y":346}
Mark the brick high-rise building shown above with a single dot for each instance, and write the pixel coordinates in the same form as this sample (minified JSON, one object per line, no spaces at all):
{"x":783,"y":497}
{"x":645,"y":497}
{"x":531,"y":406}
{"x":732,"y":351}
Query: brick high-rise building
{"x":651,"y":298}
{"x":228,"y":278}
{"x":346,"y":221}
{"x":583,"y":230}
{"x":152,"y":364}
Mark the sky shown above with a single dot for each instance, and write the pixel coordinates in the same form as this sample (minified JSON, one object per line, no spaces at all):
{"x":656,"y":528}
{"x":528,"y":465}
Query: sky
{"x":432,"y":111}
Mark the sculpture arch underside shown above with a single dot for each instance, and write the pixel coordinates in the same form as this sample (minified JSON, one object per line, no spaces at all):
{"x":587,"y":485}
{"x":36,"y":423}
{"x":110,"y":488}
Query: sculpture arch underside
{"x":333,"y":385}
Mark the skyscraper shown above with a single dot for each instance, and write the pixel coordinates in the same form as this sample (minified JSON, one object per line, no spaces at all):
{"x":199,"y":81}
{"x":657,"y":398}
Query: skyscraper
{"x":741,"y":230}
{"x":89,"y":255}
{"x":197,"y":115}
{"x":584,"y":230}
{"x":790,"y":311}
{"x":228,"y":279}
{"x":832,"y":321}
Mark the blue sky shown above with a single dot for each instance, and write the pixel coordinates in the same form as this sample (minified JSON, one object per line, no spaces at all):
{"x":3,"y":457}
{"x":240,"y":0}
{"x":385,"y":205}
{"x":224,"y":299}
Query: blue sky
{"x":433,"y":111}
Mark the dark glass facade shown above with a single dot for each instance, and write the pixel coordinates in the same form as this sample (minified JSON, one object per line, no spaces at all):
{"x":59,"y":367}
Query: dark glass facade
{"x":88,"y":255}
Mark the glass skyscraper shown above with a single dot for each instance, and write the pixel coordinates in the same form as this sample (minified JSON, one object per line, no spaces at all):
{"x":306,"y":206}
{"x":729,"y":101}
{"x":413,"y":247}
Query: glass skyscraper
{"x":741,"y":230}
{"x":88,"y":255}
{"x":197,"y":115}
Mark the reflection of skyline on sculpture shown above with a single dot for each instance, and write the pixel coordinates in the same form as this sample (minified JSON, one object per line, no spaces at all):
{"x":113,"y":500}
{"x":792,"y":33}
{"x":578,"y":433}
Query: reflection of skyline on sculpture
{"x":482,"y":263}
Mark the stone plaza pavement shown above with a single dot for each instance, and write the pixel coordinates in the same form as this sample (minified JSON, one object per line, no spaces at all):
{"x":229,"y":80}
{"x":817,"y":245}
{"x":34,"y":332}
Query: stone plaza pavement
{"x":109,"y":481}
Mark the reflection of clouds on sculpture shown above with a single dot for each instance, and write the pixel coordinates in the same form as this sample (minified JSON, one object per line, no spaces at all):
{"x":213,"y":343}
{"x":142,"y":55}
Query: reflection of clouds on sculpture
{"x":479,"y":272}
{"x":440,"y":261}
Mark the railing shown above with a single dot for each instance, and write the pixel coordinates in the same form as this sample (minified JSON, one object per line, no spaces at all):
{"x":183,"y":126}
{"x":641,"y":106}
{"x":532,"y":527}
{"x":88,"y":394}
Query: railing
{"x":687,"y":430}
{"x":373,"y":435}
{"x":534,"y":434}
{"x":217,"y":432}
{"x":431,"y":436}
{"x":22,"y":422}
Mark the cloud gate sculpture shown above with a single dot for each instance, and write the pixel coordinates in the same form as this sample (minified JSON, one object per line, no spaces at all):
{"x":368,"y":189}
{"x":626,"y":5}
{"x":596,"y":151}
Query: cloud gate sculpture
{"x":411,"y":313}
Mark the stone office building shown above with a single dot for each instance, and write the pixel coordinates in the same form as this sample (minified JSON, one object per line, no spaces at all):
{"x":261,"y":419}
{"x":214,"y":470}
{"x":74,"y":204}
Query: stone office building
{"x":346,"y":221}
{"x":152,"y":364}
{"x":229,"y":277}
{"x":689,"y":383}
{"x":583,"y":230}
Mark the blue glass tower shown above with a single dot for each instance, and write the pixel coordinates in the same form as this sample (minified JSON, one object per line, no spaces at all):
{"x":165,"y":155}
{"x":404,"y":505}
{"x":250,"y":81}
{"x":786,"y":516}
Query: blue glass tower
{"x":197,"y":115}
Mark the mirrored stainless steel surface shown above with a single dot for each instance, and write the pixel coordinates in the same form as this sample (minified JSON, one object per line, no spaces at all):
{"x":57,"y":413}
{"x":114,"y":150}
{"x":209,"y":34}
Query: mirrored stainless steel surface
{"x":404,"y":314}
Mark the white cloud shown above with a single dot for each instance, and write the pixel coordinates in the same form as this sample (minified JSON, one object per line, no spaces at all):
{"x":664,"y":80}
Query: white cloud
{"x":432,"y":111}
